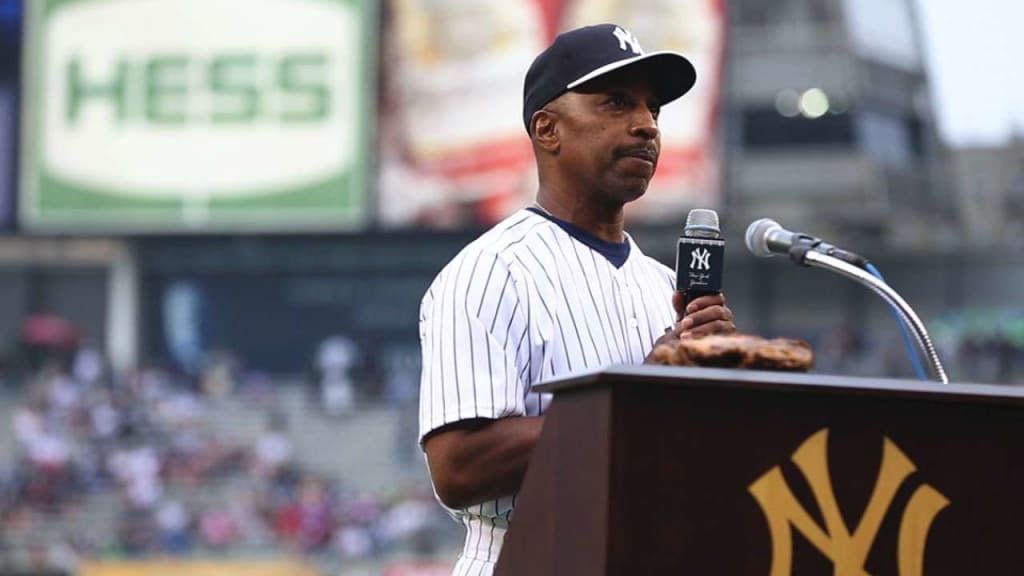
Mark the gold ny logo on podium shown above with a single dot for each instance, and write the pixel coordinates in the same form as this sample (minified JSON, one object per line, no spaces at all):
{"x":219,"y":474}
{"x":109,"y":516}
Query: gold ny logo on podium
{"x":848,"y":552}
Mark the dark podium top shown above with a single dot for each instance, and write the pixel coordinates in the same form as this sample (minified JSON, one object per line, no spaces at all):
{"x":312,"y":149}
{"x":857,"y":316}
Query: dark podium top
{"x":663,"y":470}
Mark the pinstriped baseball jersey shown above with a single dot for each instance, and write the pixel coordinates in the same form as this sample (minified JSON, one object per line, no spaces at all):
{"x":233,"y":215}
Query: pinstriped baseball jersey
{"x":532,"y":299}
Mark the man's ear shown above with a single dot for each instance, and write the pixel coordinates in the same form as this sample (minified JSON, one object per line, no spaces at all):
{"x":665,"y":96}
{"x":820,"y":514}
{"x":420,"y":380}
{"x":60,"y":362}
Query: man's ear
{"x":545,"y":131}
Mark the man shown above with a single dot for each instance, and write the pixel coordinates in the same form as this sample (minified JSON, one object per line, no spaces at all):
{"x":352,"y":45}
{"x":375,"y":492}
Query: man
{"x":556,"y":288}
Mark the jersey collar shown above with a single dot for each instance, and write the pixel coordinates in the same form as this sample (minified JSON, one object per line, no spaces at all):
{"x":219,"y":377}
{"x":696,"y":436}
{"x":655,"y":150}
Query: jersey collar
{"x":614,"y":252}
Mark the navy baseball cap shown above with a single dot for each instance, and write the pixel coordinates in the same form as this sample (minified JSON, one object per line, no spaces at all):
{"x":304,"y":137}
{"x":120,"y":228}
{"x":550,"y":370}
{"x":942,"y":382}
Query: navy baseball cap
{"x":580,"y":55}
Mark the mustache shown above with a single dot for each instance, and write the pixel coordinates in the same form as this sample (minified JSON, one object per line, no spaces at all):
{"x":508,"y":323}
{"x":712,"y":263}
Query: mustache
{"x":647,"y":151}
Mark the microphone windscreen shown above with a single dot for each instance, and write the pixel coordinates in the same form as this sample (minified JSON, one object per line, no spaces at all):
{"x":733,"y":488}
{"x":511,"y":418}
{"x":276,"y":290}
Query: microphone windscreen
{"x":702,"y":218}
{"x":757,"y":236}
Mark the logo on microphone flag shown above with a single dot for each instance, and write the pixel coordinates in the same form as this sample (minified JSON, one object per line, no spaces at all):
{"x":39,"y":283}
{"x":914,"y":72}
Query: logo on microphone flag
{"x":700,"y":259}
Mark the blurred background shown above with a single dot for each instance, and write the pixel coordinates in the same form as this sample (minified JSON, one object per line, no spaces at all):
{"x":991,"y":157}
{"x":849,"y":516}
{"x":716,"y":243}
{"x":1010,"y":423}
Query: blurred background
{"x":218,"y":218}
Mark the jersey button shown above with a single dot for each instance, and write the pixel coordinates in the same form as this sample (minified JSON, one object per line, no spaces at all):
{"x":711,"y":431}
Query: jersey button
{"x":633,"y":323}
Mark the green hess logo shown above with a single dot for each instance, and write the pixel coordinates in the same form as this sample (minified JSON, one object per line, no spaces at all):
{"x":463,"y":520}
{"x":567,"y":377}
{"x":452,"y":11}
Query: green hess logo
{"x":196,"y":113}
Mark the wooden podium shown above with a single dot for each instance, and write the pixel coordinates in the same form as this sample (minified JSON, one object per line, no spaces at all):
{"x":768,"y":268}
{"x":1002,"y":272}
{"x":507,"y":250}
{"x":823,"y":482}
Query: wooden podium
{"x":667,"y":471}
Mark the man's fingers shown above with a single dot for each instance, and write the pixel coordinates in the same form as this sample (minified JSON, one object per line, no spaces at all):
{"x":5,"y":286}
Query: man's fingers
{"x":716,"y":327}
{"x":706,"y":301}
{"x":705,"y":316}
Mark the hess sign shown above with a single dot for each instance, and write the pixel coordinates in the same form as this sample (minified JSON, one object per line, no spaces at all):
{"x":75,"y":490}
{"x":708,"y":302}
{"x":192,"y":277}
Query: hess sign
{"x":196,"y":114}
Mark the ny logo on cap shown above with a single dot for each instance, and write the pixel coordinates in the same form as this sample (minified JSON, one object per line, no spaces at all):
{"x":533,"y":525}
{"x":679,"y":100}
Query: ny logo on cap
{"x":625,"y":37}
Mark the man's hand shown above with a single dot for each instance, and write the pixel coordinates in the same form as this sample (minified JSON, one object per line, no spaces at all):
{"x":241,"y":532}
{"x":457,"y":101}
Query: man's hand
{"x":705,"y":315}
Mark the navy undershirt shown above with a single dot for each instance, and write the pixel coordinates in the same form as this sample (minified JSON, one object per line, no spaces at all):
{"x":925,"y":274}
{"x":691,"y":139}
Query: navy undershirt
{"x":614,"y":252}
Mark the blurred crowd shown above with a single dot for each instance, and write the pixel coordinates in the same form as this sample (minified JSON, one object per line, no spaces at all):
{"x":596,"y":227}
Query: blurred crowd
{"x":144,"y":457}
{"x":983,"y":345}
{"x":142,"y":465}
{"x":975,"y":346}
{"x":981,"y":360}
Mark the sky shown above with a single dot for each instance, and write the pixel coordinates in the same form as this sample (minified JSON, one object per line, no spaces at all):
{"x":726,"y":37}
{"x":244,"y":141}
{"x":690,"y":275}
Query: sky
{"x":974,"y":51}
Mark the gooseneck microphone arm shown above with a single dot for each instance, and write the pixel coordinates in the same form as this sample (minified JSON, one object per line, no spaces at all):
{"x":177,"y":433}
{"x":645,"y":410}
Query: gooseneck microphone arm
{"x":819,"y":260}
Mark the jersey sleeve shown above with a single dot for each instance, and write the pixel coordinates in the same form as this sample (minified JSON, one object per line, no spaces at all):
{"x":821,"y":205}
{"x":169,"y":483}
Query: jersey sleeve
{"x":473,"y":330}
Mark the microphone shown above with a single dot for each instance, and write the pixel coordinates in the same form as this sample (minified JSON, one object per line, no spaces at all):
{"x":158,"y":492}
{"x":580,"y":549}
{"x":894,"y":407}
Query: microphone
{"x":766,"y":237}
{"x":700,"y":255}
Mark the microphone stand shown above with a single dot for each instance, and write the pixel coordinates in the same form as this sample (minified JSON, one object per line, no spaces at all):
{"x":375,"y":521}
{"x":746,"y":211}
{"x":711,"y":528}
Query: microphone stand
{"x":819,"y":260}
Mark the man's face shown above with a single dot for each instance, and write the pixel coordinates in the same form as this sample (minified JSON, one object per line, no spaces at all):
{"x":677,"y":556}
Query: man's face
{"x":608,"y":131}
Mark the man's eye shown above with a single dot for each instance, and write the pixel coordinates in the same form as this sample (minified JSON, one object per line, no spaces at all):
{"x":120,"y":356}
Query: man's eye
{"x":655,"y":111}
{"x":618,"y":100}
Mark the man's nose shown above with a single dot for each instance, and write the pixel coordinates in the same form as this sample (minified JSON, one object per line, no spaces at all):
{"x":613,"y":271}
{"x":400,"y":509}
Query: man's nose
{"x":645,"y":125}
